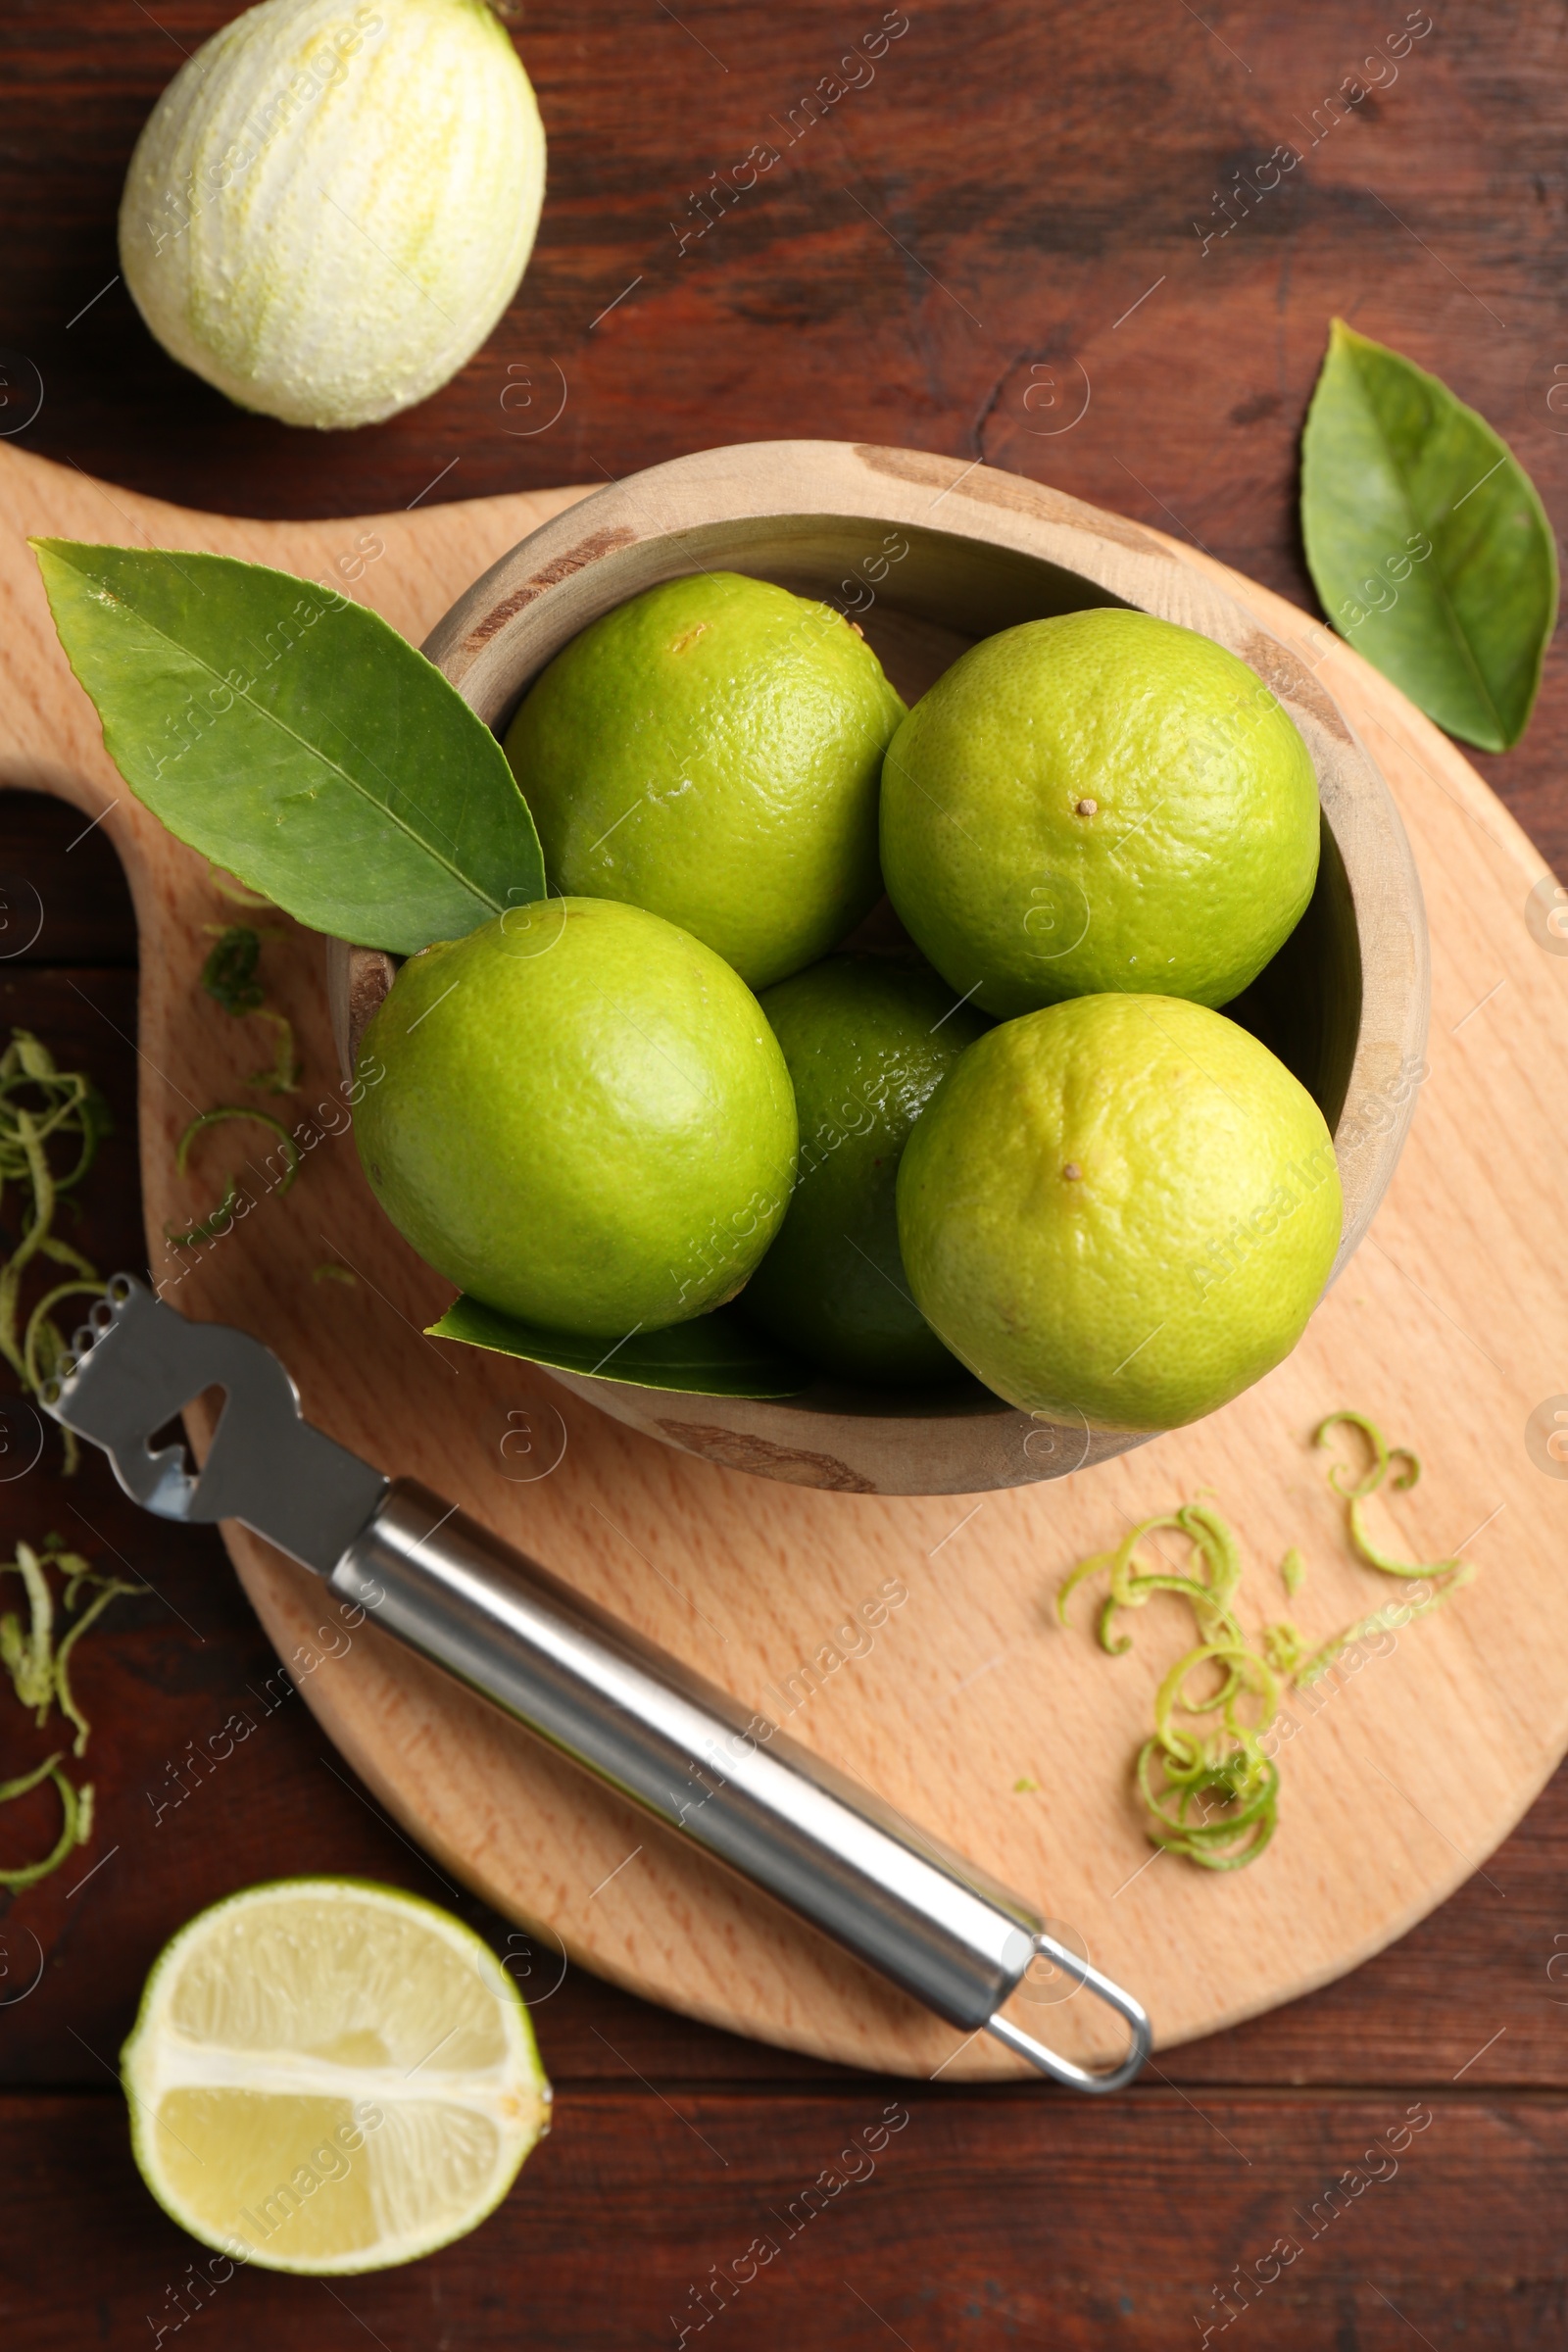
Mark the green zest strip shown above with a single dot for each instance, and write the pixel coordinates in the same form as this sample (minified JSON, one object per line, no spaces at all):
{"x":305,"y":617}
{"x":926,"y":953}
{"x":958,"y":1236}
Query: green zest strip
{"x":39,"y":1668}
{"x":1210,"y":1793}
{"x":229,"y":978}
{"x":1133,"y":1583}
{"x":76,"y":1827}
{"x":1227,"y":1769}
{"x":1380,"y":1559}
{"x":41,"y":1107}
{"x":228,"y":974}
{"x":1216,"y":1799}
{"x":221,"y":1221}
{"x":1450,"y":1573}
{"x":1371,"y":1478}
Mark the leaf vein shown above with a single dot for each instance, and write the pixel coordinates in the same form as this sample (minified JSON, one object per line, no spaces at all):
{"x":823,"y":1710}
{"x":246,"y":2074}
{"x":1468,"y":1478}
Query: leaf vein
{"x":473,"y":889}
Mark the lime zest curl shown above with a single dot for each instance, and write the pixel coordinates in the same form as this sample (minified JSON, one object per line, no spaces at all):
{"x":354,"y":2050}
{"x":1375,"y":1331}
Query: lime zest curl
{"x":39,"y":1668}
{"x":40,"y":1102}
{"x":1444,"y":1576}
{"x":1228,"y":1764}
{"x":75,"y":1827}
{"x":221,"y":1220}
{"x":1384,"y":1456}
{"x":282,"y":1074}
{"x":1377,"y":1558}
{"x":239,"y":1110}
{"x":228,"y":975}
{"x":229,"y":978}
{"x":1372,"y":1477}
{"x":1133,"y":1583}
{"x":1216,"y":1797}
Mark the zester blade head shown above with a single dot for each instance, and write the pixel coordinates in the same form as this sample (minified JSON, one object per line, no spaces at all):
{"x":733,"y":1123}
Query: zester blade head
{"x":137,"y":1363}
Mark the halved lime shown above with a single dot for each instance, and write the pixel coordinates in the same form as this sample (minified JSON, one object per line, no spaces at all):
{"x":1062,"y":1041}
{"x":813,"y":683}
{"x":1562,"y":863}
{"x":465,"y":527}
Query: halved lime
{"x":328,"y":2076}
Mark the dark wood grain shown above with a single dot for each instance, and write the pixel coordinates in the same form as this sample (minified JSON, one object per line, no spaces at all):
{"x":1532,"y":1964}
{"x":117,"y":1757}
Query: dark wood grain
{"x":933,"y":260}
{"x":943,"y":259}
{"x":1003,"y":2219}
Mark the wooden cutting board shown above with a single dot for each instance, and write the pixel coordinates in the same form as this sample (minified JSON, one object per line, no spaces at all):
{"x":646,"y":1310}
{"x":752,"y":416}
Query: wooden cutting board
{"x":1450,"y":1327}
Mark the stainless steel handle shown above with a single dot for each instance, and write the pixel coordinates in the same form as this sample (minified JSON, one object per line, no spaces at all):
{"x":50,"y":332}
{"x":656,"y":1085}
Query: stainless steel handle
{"x":642,"y":1723}
{"x":618,"y":1707}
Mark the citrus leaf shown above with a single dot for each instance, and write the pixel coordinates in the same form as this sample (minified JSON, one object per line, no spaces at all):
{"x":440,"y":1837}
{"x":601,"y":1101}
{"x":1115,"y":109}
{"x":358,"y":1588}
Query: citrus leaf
{"x":294,"y":738}
{"x":1427,"y":541}
{"x":714,"y":1356}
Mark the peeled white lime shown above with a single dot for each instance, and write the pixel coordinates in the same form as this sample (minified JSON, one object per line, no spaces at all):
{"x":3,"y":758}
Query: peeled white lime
{"x":328,"y":2076}
{"x":331,"y":205}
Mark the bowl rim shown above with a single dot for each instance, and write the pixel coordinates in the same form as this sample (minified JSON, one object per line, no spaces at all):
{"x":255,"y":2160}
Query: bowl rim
{"x":656,"y":525}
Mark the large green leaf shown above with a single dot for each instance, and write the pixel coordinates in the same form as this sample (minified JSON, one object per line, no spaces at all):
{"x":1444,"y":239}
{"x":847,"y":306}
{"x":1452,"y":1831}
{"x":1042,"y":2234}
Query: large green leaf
{"x":296,"y":739}
{"x":714,"y":1356}
{"x":1427,"y":541}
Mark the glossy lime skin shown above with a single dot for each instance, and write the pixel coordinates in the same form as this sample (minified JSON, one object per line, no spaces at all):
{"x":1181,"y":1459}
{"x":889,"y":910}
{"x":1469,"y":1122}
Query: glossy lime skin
{"x":1120,"y":1211}
{"x":713,"y":751}
{"x":1102,"y":800}
{"x":868,"y":1040}
{"x":584,"y":1118}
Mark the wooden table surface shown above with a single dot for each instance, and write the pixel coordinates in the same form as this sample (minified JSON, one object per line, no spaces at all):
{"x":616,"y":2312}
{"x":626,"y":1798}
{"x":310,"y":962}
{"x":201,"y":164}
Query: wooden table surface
{"x":1008,"y":208}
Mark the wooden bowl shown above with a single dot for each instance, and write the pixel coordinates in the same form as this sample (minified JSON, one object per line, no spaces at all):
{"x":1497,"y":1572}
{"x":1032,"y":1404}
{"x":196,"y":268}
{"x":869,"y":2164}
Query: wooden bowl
{"x":928,"y":554}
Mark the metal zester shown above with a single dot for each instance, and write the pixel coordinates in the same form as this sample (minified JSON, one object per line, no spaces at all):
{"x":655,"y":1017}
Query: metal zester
{"x":637,"y":1719}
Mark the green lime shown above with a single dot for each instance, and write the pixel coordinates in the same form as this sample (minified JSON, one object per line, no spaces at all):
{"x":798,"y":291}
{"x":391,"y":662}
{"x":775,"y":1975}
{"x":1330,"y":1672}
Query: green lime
{"x":583,"y":1118}
{"x":711,"y":751}
{"x":1102,"y":801}
{"x":328,"y":2075}
{"x":868,"y":1040}
{"x":1121,"y":1210}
